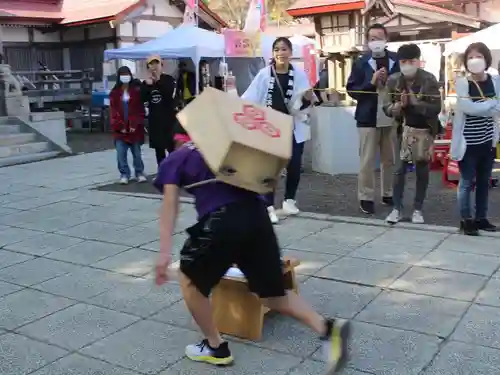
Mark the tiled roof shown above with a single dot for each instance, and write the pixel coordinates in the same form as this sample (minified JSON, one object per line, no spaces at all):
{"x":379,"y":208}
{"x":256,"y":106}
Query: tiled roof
{"x":424,"y":5}
{"x":75,"y":11}
{"x":303,"y":4}
{"x":433,"y":8}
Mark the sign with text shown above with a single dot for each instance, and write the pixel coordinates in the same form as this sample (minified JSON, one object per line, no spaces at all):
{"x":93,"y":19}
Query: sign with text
{"x":309,"y":54}
{"x":241,"y":44}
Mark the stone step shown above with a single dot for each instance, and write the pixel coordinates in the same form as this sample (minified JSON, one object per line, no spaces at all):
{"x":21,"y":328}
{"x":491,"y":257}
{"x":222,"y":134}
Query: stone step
{"x":27,"y":158}
{"x":10,"y":129}
{"x":24,"y":149}
{"x":16,"y":139}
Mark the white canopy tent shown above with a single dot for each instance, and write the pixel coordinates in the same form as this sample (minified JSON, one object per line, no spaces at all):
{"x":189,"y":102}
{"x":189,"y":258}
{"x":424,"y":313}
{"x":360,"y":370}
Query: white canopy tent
{"x":185,"y":41}
{"x":488,"y":36}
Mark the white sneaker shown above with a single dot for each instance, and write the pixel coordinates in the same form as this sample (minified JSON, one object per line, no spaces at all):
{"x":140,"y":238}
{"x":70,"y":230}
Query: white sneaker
{"x":141,"y":178}
{"x":123,"y":180}
{"x":272,"y":215}
{"x":290,"y":207}
{"x":203,"y":353}
{"x":417,"y":217}
{"x":393,"y":217}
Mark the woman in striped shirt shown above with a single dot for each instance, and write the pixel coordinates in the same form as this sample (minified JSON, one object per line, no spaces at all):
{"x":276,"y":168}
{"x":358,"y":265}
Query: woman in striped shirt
{"x":475,"y":132}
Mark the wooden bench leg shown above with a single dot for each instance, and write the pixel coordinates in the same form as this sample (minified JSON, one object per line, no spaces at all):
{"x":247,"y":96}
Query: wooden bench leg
{"x":237,"y":312}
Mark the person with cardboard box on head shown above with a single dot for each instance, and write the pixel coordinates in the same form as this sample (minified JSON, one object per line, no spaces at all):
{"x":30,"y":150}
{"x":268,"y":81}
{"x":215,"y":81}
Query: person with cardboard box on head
{"x":367,"y":85}
{"x":414,"y":102}
{"x":286,"y":89}
{"x":158,"y":91}
{"x":233,"y":224}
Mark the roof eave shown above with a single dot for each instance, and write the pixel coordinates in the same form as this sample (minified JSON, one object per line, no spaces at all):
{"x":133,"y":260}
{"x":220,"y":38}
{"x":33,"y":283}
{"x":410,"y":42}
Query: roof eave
{"x":322,"y":9}
{"x":458,"y":19}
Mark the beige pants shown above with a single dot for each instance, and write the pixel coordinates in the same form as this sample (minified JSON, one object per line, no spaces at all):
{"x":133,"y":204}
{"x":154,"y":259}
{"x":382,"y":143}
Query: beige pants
{"x":372,"y":141}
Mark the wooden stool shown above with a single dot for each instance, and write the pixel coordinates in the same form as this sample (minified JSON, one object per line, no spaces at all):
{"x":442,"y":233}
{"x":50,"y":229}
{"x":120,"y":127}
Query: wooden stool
{"x":237,"y":311}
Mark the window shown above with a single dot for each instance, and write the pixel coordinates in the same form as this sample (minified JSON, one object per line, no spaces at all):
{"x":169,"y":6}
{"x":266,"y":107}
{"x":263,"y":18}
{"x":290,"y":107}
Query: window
{"x":335,"y":23}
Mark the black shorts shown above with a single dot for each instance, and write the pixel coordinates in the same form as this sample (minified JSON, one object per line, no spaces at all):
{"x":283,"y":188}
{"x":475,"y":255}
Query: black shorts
{"x":239,"y":233}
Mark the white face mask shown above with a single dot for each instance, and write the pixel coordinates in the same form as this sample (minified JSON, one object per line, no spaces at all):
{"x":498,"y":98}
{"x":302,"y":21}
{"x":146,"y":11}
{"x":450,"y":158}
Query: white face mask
{"x":476,"y":65}
{"x":125,"y":79}
{"x":377,"y":46}
{"x":408,"y":70}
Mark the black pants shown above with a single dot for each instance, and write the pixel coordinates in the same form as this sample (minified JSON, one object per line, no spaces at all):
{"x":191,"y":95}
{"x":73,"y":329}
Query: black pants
{"x":161,"y":153}
{"x":239,"y":233}
{"x":293,"y":172}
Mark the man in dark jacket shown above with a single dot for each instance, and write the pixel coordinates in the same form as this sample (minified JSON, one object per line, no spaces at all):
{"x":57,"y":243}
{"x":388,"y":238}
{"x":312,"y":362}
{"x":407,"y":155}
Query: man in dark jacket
{"x":367,"y":85}
{"x":158,"y":92}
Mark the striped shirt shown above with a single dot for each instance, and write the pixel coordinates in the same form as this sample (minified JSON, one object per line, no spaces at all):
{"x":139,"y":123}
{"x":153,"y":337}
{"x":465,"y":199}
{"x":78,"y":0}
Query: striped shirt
{"x":480,"y":129}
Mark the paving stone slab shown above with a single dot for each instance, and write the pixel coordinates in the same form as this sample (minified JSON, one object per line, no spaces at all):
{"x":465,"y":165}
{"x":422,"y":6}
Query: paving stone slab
{"x":13,"y":235}
{"x":310,"y":263}
{"x":293,"y":229}
{"x":363,"y":271}
{"x":27,"y":305}
{"x":19,"y":355}
{"x":84,"y":283}
{"x":321,"y":244}
{"x":459,"y":358}
{"x":87,"y":252}
{"x":480,"y":326}
{"x":439,"y":283}
{"x":349,"y":232}
{"x":77,"y":326}
{"x":414,"y":312}
{"x":468,"y":244}
{"x":31,"y":203}
{"x":20,"y":217}
{"x":76,"y":364}
{"x":135,"y":262}
{"x":54,"y":224}
{"x":404,"y":237}
{"x":43,"y":244}
{"x":35,"y":271}
{"x":490,"y":295}
{"x":6,"y":288}
{"x":461,"y":262}
{"x":286,"y":335}
{"x":336,"y":299}
{"x":9,"y":258}
{"x":132,"y":236}
{"x":178,"y":241}
{"x":93,"y":230}
{"x":129,"y":217}
{"x":309,"y":367}
{"x":61,"y":208}
{"x":139,"y":297}
{"x":176,"y":314}
{"x":249,"y":360}
{"x":389,"y":351}
{"x":146,"y":346}
{"x":390,"y":252}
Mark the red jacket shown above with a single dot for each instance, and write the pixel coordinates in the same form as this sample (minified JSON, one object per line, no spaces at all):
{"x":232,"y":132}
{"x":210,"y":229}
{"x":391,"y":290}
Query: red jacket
{"x":132,"y":129}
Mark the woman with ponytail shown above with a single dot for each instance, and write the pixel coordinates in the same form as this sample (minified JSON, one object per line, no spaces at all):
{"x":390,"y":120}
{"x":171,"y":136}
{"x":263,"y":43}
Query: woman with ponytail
{"x":286,"y":89}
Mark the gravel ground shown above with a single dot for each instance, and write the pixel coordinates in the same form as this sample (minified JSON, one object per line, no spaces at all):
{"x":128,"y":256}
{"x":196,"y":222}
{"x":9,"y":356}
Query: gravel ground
{"x":320,"y":193}
{"x":82,"y":142}
{"x":336,"y":195}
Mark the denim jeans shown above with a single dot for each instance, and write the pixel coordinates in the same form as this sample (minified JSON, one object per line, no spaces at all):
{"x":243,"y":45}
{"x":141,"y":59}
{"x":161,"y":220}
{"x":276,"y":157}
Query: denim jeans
{"x":475,"y":168}
{"x":121,"y":157}
{"x":422,"y":172}
{"x":292,"y":173}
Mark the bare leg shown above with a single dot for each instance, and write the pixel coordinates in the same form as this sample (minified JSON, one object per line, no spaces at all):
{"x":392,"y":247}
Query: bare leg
{"x":200,"y":308}
{"x":295,"y":306}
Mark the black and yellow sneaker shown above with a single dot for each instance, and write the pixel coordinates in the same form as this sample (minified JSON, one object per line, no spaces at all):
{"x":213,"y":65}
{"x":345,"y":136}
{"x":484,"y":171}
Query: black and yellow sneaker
{"x":202,"y":352}
{"x":336,"y":341}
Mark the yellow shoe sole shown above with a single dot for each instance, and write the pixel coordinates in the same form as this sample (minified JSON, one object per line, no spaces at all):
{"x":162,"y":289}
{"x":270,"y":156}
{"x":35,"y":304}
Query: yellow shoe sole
{"x":212,"y":360}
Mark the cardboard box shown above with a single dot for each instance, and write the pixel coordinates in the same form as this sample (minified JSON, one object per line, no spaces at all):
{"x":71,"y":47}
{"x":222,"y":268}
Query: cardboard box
{"x":244,"y":144}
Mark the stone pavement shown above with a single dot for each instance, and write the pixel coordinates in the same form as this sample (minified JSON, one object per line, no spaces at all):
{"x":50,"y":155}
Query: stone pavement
{"x":77,"y":296}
